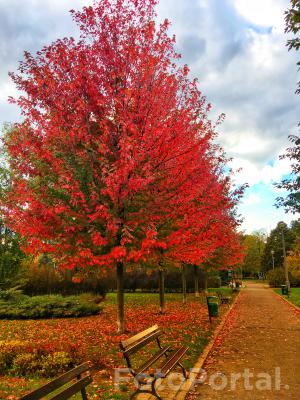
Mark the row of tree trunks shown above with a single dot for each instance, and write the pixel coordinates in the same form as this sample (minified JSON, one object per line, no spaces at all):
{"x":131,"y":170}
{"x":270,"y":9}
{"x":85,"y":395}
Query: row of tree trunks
{"x":120,"y":298}
{"x":161,"y":284}
{"x":183,"y":284}
{"x":161,"y":281}
{"x":196,"y":277}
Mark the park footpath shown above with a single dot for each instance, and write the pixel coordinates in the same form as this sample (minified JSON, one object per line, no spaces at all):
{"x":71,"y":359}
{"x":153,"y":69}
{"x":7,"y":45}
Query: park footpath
{"x":256,"y":355}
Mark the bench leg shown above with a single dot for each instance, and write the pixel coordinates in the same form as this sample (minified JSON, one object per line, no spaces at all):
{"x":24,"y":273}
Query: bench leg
{"x":152,"y":391}
{"x":82,"y":391}
{"x":183,"y":370}
{"x":83,"y":394}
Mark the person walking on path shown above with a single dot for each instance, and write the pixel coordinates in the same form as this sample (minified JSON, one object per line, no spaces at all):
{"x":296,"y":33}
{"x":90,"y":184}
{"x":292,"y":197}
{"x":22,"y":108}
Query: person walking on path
{"x":257,"y":355}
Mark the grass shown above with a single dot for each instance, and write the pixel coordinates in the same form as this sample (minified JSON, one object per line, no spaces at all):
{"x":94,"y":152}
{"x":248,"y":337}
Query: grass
{"x":95,"y":338}
{"x":226,"y":291}
{"x":294,"y":296}
{"x":141,"y":298}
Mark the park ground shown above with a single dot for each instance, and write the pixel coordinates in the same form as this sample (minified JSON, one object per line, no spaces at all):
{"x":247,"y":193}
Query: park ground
{"x":95,"y":338}
{"x":261,"y":340}
{"x":256,"y":355}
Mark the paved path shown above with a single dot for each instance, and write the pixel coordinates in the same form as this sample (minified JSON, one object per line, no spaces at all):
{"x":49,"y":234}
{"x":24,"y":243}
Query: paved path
{"x":261,"y":341}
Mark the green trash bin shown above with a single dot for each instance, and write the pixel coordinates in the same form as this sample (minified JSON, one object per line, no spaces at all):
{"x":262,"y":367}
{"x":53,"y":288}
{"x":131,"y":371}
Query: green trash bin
{"x":284,"y":290}
{"x":212,"y":305}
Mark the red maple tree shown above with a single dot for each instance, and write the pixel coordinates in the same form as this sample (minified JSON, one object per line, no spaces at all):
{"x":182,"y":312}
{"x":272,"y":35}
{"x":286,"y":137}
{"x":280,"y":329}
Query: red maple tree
{"x":113,"y":161}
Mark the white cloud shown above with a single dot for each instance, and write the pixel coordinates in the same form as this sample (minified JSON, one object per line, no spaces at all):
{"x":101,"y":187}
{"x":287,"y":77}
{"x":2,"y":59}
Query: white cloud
{"x":262,"y":12}
{"x":274,"y":173}
{"x":252,"y":145}
{"x":252,"y":174}
{"x":252,"y":199}
{"x":263,"y":218}
{"x":7,"y":88}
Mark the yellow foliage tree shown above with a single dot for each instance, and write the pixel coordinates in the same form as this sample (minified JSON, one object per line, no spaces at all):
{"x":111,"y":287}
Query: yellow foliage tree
{"x":293,"y":259}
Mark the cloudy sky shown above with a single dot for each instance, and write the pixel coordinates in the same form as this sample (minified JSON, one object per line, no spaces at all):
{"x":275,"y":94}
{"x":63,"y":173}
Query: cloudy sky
{"x":237,"y":50}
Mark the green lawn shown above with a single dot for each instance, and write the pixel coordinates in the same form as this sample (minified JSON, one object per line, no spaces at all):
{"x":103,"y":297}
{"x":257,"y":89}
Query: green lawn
{"x":226,"y":291}
{"x":294,"y":296}
{"x":141,"y":298}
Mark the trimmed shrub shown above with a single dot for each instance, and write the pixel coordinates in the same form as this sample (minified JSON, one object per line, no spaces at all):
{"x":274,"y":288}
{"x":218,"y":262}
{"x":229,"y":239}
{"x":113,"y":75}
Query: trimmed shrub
{"x":25,"y":364}
{"x":8,"y":352}
{"x":55,"y":364}
{"x":23,"y":359}
{"x":41,"y":365}
{"x":12,"y":294}
{"x":276,"y":277}
{"x":48,"y":306}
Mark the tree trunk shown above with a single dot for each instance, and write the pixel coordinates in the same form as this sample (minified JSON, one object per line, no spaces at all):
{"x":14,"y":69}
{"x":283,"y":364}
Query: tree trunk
{"x":183,"y":284}
{"x":285,"y":266}
{"x":120,"y":297}
{"x":205,"y":281}
{"x":161,"y":282}
{"x":196,"y":277}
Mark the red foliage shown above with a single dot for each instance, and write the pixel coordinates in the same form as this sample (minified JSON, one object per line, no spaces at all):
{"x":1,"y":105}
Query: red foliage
{"x":114,"y":159}
{"x":94,"y":337}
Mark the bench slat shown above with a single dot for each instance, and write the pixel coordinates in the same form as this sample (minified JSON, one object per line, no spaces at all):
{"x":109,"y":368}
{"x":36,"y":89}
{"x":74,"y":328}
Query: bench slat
{"x":56,"y":383}
{"x":172,"y":361}
{"x":71,"y":390}
{"x":152,"y":360}
{"x":142,"y":343}
{"x":138,"y":336}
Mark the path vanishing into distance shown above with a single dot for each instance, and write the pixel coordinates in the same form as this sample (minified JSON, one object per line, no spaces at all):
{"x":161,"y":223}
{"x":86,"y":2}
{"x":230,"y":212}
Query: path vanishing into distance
{"x":257,"y":355}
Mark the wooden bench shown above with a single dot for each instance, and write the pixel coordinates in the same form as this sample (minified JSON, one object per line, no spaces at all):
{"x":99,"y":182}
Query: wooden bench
{"x":223,"y":299}
{"x":165,"y":358}
{"x":78,"y":385}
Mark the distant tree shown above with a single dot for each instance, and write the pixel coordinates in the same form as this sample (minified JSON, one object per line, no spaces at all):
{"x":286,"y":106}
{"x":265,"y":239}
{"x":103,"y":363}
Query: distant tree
{"x":254,"y":247}
{"x":292,"y":183}
{"x":10,"y":252}
{"x":292,"y":25}
{"x":10,"y":255}
{"x":274,"y":242}
{"x":291,"y":202}
{"x":295,"y":227}
{"x":293,"y":259}
{"x":229,"y":255}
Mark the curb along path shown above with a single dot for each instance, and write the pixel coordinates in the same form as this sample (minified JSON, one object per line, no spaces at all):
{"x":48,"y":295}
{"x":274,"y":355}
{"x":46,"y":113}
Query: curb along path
{"x":189,"y":384}
{"x":257,"y":354}
{"x":293,"y":306}
{"x":180,"y":393}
